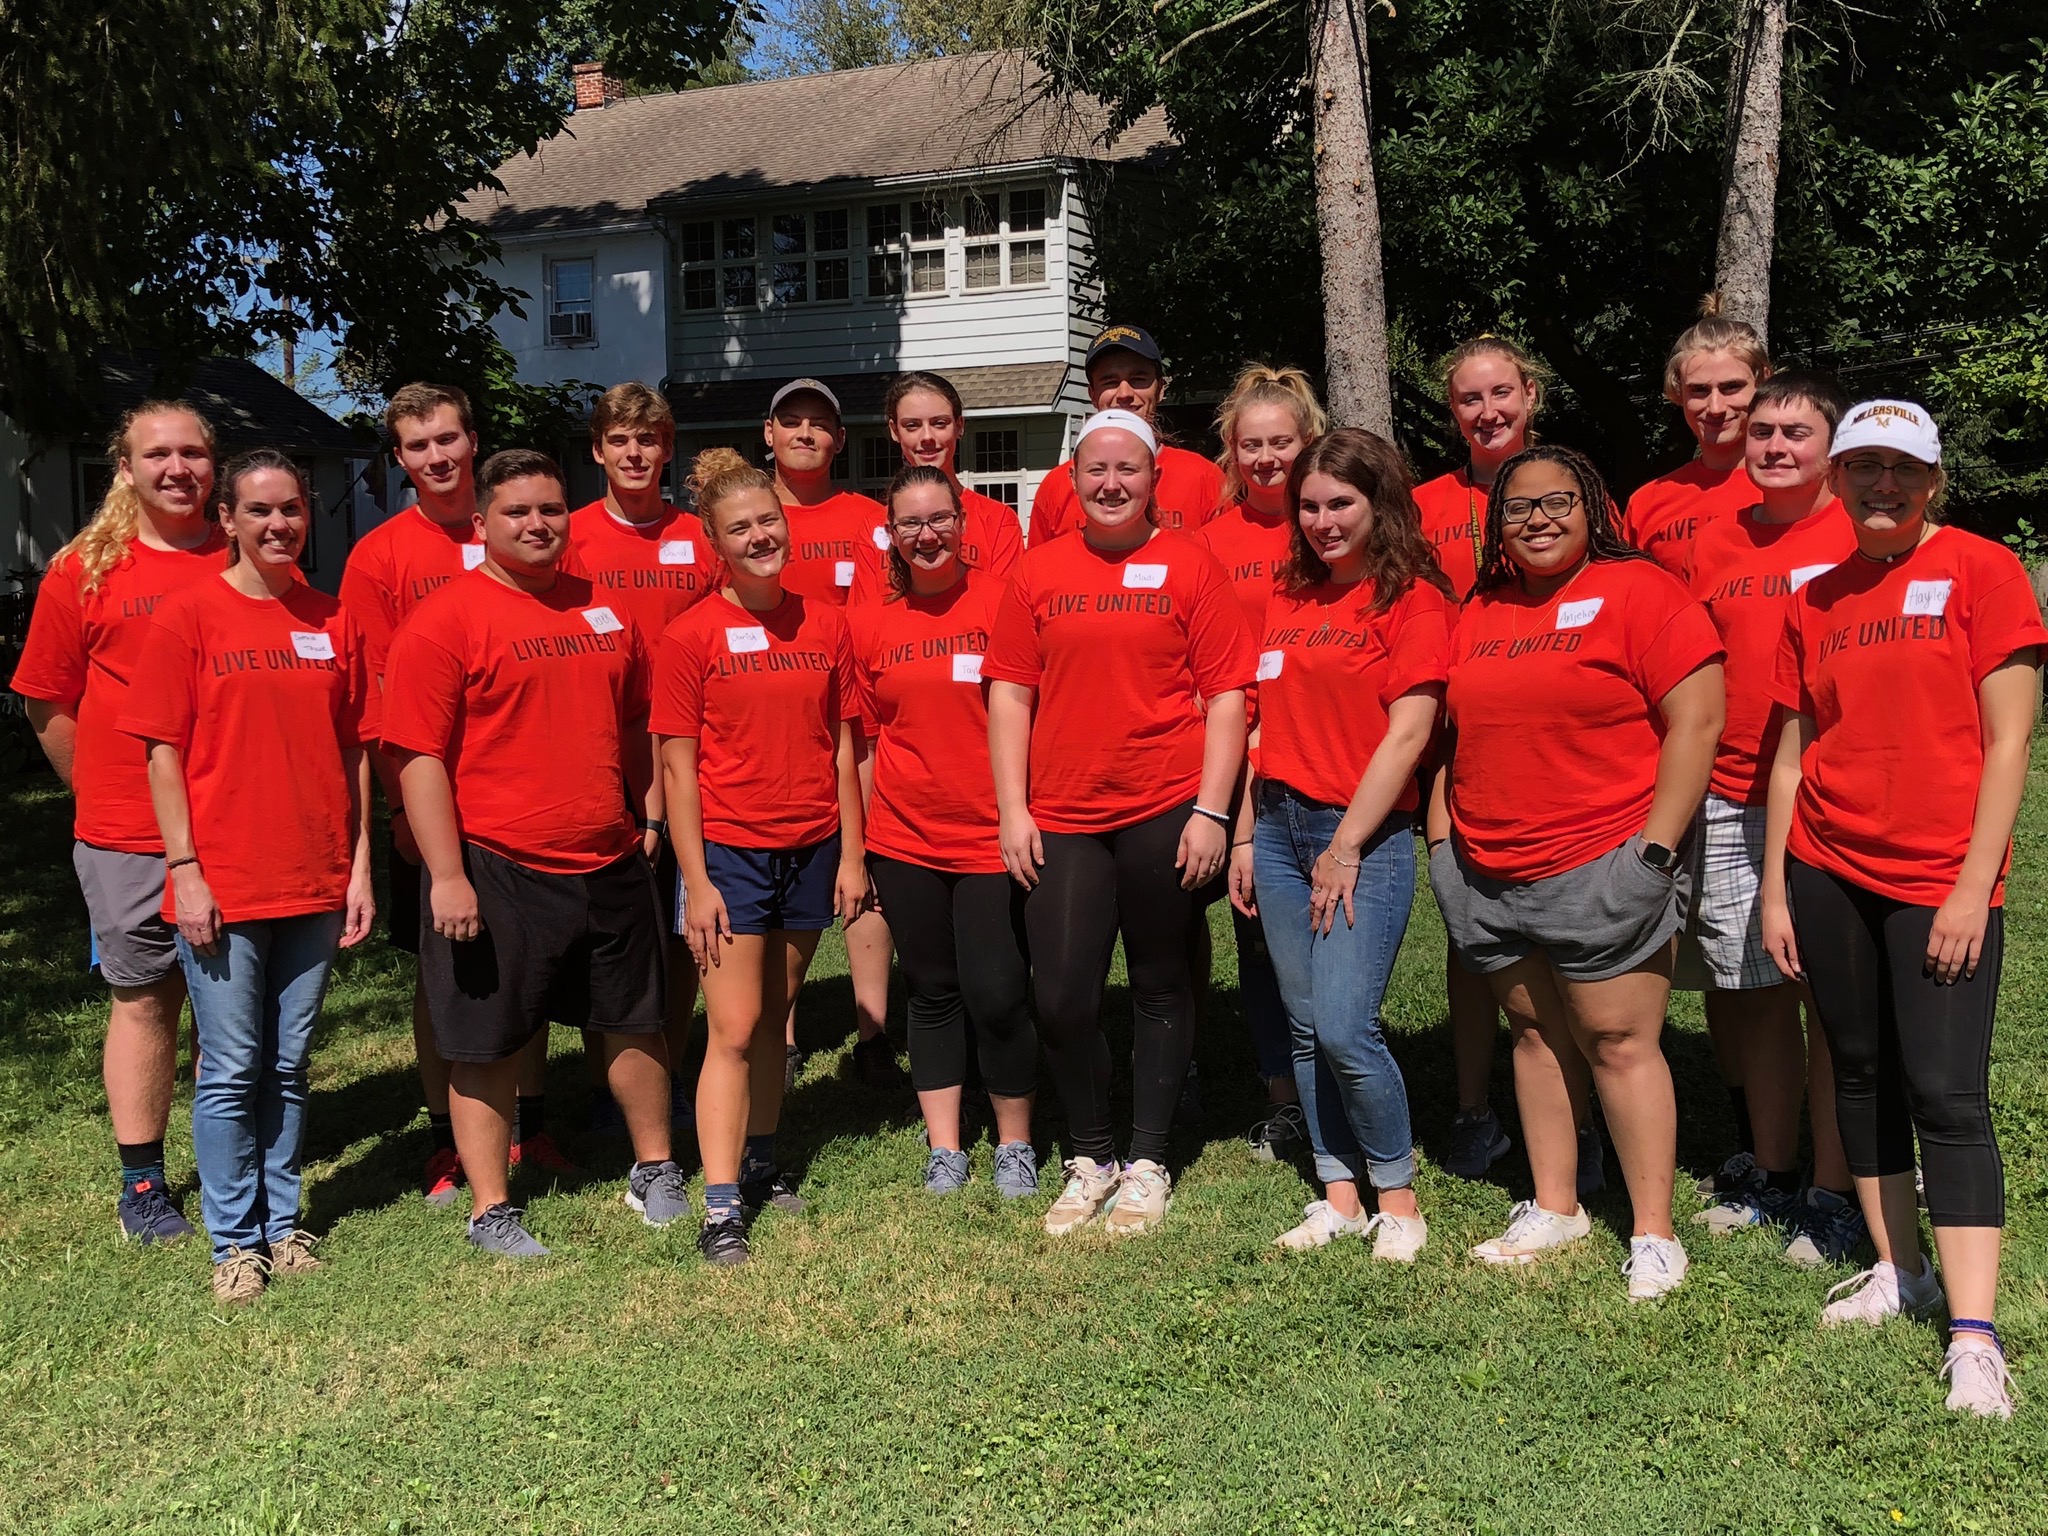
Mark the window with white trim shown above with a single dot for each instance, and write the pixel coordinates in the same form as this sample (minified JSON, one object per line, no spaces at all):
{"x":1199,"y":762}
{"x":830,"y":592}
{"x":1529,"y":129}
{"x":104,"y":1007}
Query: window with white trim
{"x":997,"y":463}
{"x":906,"y":248}
{"x":809,"y":260}
{"x":880,"y":458}
{"x":572,"y":318}
{"x":1005,"y":237}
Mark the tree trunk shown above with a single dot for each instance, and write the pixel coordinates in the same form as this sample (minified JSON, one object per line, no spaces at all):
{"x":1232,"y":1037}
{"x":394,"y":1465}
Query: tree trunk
{"x":1348,"y":213}
{"x":1749,"y":168}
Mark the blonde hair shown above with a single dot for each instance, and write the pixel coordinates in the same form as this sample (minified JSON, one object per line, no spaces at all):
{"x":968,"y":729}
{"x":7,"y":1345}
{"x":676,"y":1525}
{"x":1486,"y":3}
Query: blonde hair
{"x":1715,"y":332}
{"x":718,"y":473}
{"x":103,"y":543}
{"x":1489,"y":345}
{"x":1263,"y":384}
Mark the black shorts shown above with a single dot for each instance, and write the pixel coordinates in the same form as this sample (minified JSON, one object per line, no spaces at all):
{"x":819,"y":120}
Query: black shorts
{"x":402,"y":900}
{"x":581,"y":950}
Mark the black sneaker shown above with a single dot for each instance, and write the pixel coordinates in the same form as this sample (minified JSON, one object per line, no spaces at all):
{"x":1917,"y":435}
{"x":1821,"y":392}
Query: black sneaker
{"x":1277,"y":1137}
{"x":874,"y":1063}
{"x":724,"y":1243}
{"x":775,"y":1189}
{"x":147,"y":1215}
{"x":792,"y":1063}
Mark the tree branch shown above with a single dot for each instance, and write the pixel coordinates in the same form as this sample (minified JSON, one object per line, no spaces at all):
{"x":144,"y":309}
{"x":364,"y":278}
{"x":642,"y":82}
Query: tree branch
{"x":1199,"y":33}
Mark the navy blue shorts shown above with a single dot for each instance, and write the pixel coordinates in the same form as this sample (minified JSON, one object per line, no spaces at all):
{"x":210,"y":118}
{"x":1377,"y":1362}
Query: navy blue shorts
{"x":771,"y":890}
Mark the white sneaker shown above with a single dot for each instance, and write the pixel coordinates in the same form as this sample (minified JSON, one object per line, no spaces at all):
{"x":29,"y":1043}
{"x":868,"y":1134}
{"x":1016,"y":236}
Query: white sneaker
{"x":1142,"y":1197}
{"x":1322,"y":1223}
{"x":1397,"y":1238}
{"x":1656,"y":1266}
{"x":1977,"y":1380}
{"x":1881,"y":1292}
{"x":1090,"y":1187}
{"x":1532,"y":1230}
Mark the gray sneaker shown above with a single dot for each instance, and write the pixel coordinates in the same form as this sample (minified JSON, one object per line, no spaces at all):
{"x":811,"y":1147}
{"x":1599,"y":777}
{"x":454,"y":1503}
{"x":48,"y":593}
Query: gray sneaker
{"x":501,"y":1230}
{"x":1477,"y":1143}
{"x":1825,"y":1229}
{"x":945,"y":1172}
{"x":1275,"y":1138}
{"x":1592,"y":1162}
{"x":1016,"y":1170}
{"x":659,"y":1192}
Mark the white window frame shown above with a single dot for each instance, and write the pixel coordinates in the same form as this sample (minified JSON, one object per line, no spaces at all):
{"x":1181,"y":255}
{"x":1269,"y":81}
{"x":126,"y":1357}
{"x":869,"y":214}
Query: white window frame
{"x":765,"y":260}
{"x":564,"y":335}
{"x":1004,"y":485}
{"x":1007,"y":239}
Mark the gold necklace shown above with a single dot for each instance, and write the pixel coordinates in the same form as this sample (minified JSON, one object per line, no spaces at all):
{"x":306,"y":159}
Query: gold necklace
{"x":1554,"y":599}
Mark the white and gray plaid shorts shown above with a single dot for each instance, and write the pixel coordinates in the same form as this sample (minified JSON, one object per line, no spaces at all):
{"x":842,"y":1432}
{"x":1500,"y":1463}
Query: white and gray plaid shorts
{"x":1725,"y":920}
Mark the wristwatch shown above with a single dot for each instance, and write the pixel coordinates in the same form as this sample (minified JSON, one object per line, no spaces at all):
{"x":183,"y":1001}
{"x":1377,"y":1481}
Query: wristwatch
{"x":1658,"y":857}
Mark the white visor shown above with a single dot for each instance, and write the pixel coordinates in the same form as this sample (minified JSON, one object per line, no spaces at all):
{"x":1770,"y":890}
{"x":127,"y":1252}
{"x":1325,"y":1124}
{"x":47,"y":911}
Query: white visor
{"x":1126,"y":421}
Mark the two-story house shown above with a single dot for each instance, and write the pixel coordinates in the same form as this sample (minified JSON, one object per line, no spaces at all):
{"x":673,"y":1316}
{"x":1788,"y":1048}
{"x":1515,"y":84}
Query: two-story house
{"x":715,"y":243}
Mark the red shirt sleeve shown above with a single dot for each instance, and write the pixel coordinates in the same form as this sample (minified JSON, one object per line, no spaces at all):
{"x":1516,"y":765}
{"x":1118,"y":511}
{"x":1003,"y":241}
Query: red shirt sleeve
{"x":2003,"y":619}
{"x":1221,"y":652}
{"x":863,"y":634}
{"x":677,"y":708}
{"x":362,"y":706}
{"x":1013,"y":654}
{"x":53,"y":662}
{"x":1005,"y":542}
{"x":845,"y":685}
{"x":163,"y":699}
{"x":639,"y":680}
{"x":1787,"y":686}
{"x":366,"y":594}
{"x":1421,"y":649}
{"x":426,"y":684}
{"x":1049,"y":505}
{"x":1680,"y":639}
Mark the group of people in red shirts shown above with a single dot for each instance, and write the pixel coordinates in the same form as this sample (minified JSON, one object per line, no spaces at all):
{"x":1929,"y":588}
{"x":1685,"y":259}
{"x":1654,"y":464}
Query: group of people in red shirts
{"x":1763,"y":732}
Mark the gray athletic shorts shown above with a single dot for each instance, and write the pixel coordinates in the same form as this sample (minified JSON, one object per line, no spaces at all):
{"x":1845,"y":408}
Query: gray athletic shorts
{"x":124,"y":897}
{"x":1600,"y":920}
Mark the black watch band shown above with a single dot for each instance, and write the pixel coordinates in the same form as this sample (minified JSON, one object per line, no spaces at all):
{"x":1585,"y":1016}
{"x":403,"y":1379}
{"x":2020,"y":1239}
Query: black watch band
{"x":1660,"y":858}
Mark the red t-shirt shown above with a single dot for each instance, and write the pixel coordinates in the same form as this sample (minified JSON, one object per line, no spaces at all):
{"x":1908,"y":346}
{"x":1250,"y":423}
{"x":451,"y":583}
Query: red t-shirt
{"x":261,"y":698}
{"x":917,"y":661}
{"x":82,"y":652}
{"x":394,"y":567}
{"x":1329,"y":670}
{"x":1555,"y":706}
{"x":1251,"y":549}
{"x":653,"y":571}
{"x":989,"y":541}
{"x":1123,"y":647}
{"x":1454,"y":521}
{"x":1189,"y":493}
{"x":1744,"y":570}
{"x":763,"y":693}
{"x":825,"y":544}
{"x":531,"y":699}
{"x":1887,"y":659}
{"x":1665,"y":516}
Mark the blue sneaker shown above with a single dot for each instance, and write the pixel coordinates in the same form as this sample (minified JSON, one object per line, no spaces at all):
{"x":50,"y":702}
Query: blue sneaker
{"x":501,"y":1230}
{"x":147,"y":1215}
{"x":1824,"y":1229}
{"x":1755,"y":1204}
{"x":945,"y":1172}
{"x":1016,"y":1170}
{"x":659,"y":1192}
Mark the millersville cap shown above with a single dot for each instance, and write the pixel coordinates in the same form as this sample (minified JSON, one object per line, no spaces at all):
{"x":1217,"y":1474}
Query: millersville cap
{"x":1904,"y":425}
{"x":1123,"y":338}
{"x":805,"y":387}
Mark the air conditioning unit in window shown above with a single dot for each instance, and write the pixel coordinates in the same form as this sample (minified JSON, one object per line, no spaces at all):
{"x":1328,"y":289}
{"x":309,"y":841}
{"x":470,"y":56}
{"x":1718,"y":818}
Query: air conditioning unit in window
{"x":569,"y":327}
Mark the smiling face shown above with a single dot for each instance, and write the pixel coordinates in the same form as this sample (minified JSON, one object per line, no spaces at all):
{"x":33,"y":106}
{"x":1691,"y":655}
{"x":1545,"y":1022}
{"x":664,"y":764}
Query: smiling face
{"x":1492,"y":404}
{"x":927,"y":429}
{"x":525,"y":526}
{"x":751,"y":532}
{"x":632,"y":457}
{"x":1551,"y":541}
{"x":926,"y":527}
{"x":1886,"y":492}
{"x":1266,"y":441}
{"x":1336,"y":520}
{"x":1787,"y":445}
{"x":804,"y":436}
{"x":1123,"y":381}
{"x":1714,"y":390}
{"x":267,"y":520}
{"x":437,"y":453}
{"x":168,"y":464}
{"x":1113,"y":475}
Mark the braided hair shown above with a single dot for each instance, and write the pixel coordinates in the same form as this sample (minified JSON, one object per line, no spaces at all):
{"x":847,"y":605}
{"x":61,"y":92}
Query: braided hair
{"x":1603,"y":540}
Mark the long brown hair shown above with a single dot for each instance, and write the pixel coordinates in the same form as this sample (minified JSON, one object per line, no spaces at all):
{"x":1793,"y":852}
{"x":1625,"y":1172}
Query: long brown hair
{"x":103,"y":543}
{"x":1396,"y":553}
{"x":1603,"y":542}
{"x":905,"y":478}
{"x":227,"y":489}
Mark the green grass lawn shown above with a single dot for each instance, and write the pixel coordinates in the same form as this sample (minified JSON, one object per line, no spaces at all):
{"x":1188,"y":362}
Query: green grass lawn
{"x":891,"y":1363}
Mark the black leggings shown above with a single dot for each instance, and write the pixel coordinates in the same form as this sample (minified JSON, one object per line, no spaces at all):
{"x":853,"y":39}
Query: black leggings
{"x":1910,"y":1054}
{"x":1092,"y":885}
{"x":960,"y":940}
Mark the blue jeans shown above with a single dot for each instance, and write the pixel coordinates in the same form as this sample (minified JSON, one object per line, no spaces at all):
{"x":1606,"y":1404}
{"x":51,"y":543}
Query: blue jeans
{"x":1352,"y":1093}
{"x":255,"y":1000}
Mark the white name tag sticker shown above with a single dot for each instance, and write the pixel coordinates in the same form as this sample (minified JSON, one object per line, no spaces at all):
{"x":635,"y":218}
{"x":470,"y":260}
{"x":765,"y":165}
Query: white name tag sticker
{"x":472,"y":556}
{"x":1802,"y":574}
{"x":742,"y":638}
{"x":1578,"y":615}
{"x":678,"y":552}
{"x":966,"y":667}
{"x":1149,"y":578}
{"x":842,"y":573}
{"x":602,"y":621}
{"x":1270,"y":663}
{"x":1927,"y":599}
{"x":881,"y":537}
{"x":318,"y":646}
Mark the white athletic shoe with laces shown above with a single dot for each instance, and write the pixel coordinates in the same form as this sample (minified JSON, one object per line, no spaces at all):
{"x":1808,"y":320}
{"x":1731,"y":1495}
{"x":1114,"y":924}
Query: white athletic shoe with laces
{"x":1977,"y":1379}
{"x":1397,"y":1239}
{"x":1090,"y":1186}
{"x":1143,"y":1195}
{"x":1881,"y":1292}
{"x":1321,"y":1223}
{"x":1531,"y":1232}
{"x":1656,"y":1266}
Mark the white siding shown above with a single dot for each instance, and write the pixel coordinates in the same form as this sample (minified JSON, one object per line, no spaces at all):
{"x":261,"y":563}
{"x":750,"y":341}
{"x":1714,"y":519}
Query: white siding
{"x":629,"y":305}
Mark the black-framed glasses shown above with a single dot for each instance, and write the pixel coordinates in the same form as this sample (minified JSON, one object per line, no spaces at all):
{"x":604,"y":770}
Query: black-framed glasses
{"x":911,"y":527}
{"x":1907,"y":474}
{"x":1556,"y":506}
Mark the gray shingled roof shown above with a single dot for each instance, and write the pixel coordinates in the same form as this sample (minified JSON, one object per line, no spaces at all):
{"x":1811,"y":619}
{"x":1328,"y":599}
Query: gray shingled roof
{"x":248,"y":407}
{"x":930,"y":118}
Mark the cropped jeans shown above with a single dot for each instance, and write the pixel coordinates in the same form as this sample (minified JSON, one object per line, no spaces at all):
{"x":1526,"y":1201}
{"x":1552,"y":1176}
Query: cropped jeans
{"x":1351,"y":1088}
{"x":255,"y":1000}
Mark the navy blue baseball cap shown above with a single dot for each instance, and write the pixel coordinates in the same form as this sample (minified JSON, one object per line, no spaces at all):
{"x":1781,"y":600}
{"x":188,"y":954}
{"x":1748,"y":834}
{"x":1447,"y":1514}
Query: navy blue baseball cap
{"x":1124,"y":338}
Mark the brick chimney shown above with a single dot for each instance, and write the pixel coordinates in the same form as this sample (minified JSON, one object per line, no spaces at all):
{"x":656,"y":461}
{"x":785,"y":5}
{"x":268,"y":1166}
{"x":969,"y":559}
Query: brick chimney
{"x":593,"y":89}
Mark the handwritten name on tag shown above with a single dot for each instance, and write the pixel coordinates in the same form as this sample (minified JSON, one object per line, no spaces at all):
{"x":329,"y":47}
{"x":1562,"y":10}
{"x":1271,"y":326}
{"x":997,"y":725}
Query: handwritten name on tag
{"x":1927,"y":599}
{"x":966,"y":667}
{"x":881,"y":538}
{"x":1578,"y":615}
{"x":1270,"y":663}
{"x":313,"y":647}
{"x":1802,"y":574}
{"x":1148,"y":578}
{"x":842,"y":573}
{"x":678,"y":552}
{"x":472,"y":556}
{"x":602,"y":621}
{"x":742,"y":638}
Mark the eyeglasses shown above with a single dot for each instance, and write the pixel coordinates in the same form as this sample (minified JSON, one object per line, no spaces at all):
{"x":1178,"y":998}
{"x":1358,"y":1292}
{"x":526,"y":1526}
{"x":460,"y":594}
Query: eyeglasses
{"x":1556,"y":506}
{"x":1907,"y":474}
{"x":912,"y":527}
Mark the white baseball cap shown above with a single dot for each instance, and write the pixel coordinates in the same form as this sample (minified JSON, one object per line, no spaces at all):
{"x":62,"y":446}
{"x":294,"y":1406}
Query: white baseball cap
{"x":1125,"y":421}
{"x":1901,"y":424}
{"x":805,"y":387}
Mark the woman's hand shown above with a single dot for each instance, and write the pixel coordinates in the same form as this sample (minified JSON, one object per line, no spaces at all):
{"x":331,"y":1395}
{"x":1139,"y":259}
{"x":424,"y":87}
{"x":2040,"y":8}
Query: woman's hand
{"x":705,"y":922}
{"x":851,"y":893}
{"x":454,"y":910}
{"x":359,"y":908}
{"x":1242,"y":895}
{"x":1203,"y":846}
{"x":1780,"y":942}
{"x":198,"y":917}
{"x":1956,"y":940}
{"x":1331,"y":883}
{"x":1023,"y":851}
